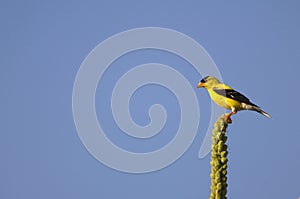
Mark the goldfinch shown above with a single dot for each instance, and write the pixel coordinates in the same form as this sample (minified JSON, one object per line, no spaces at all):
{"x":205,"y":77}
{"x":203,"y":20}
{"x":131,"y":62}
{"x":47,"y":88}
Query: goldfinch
{"x":226,"y":97}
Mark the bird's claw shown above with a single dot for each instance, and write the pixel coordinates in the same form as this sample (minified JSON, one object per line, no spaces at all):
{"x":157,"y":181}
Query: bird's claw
{"x":228,"y":119}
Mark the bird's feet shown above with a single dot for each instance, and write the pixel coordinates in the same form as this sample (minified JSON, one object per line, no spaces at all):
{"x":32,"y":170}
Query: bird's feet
{"x":228,"y":119}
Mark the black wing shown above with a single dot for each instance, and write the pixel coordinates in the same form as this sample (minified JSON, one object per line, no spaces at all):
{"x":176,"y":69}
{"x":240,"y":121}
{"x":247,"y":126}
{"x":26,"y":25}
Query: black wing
{"x":232,"y":94}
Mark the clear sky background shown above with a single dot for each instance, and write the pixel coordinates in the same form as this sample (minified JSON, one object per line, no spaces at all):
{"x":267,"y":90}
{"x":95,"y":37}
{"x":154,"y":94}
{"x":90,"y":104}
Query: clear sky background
{"x":254,"y":44}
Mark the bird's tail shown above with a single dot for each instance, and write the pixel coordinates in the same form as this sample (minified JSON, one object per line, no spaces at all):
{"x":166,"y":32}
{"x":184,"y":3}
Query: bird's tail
{"x":257,"y":109}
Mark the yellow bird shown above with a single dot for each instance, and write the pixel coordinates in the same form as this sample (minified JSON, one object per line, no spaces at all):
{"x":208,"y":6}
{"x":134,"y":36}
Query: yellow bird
{"x":228,"y":98}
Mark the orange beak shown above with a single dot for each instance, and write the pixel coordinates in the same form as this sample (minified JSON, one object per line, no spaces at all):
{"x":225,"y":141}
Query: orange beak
{"x":200,"y":85}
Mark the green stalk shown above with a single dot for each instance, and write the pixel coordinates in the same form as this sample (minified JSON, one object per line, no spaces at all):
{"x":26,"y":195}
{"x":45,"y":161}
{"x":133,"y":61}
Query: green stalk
{"x":218,"y":189}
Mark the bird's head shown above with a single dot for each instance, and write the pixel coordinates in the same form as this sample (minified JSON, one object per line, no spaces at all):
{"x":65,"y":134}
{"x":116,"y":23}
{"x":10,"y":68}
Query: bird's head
{"x":207,"y":82}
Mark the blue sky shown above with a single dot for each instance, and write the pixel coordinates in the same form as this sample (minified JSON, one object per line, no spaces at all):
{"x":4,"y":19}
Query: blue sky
{"x":254,"y":44}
